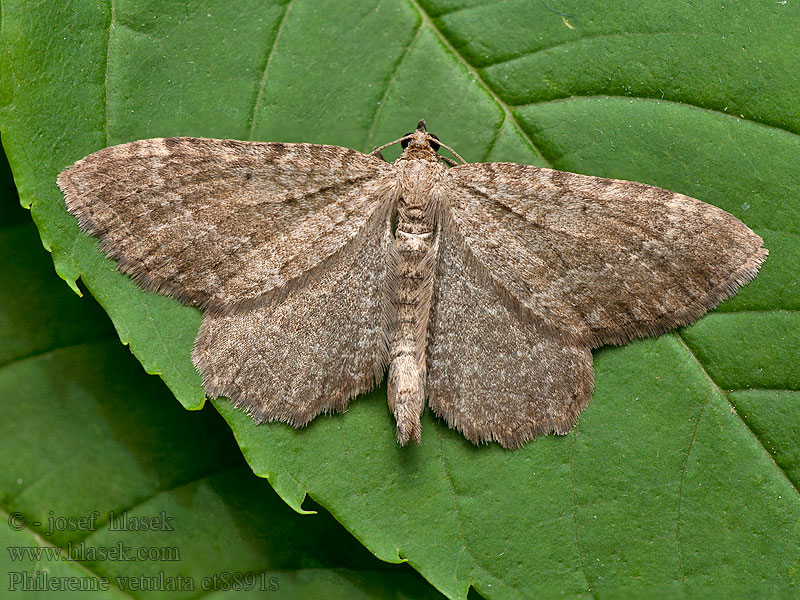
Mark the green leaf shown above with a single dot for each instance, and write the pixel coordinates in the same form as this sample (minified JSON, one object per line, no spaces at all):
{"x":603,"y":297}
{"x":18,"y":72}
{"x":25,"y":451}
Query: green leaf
{"x":86,"y":434}
{"x":682,"y":475}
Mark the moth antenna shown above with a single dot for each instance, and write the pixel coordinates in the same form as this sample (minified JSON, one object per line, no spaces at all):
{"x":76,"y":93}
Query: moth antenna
{"x":397,"y":141}
{"x":453,"y":152}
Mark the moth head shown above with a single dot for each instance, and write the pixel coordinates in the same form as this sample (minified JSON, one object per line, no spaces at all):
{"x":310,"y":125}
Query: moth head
{"x":420,"y":142}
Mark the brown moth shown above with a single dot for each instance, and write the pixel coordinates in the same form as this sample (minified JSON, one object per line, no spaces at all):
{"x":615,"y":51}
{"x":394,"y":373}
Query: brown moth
{"x":482,"y":287}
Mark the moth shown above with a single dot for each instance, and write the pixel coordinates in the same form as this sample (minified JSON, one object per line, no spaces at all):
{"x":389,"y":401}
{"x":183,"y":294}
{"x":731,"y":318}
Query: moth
{"x":482,"y":287}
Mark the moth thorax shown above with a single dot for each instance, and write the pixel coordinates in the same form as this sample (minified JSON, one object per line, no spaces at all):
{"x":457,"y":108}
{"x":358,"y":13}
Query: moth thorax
{"x":420,"y":151}
{"x":412,"y":212}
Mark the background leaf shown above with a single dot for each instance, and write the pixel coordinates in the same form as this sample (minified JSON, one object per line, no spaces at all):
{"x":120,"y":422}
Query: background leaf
{"x":85,"y":431}
{"x":682,"y":474}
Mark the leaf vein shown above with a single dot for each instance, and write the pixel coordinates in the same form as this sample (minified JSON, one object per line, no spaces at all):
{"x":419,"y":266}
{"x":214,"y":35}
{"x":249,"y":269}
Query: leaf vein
{"x":478,"y":78}
{"x":736,"y":412}
{"x":111,"y":19}
{"x":389,"y":83}
{"x":578,"y":97}
{"x":462,"y":536}
{"x":680,"y":487}
{"x":43,"y":542}
{"x":575,"y":514}
{"x":267,"y":62}
{"x":512,"y":58}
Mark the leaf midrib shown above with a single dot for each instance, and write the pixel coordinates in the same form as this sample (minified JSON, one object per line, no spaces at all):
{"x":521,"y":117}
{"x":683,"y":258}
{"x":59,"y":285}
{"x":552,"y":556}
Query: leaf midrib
{"x":509,"y":114}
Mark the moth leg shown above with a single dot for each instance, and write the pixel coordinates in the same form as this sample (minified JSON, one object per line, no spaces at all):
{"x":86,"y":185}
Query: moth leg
{"x":448,"y":161}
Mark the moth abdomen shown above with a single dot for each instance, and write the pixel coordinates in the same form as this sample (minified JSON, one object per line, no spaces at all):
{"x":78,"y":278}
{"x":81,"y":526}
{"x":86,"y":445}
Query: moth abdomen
{"x":412,"y":292}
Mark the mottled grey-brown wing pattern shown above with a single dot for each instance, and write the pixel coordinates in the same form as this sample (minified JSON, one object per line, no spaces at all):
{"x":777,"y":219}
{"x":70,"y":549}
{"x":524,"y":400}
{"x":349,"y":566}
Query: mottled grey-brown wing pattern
{"x":485,"y":286}
{"x":221,"y":223}
{"x":599,"y":260}
{"x":491,"y":375}
{"x":311,"y":350}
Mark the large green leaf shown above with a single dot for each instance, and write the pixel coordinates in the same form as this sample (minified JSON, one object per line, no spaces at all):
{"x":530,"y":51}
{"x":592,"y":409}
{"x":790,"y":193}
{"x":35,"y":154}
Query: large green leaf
{"x":683,"y":473}
{"x":85,"y":432}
